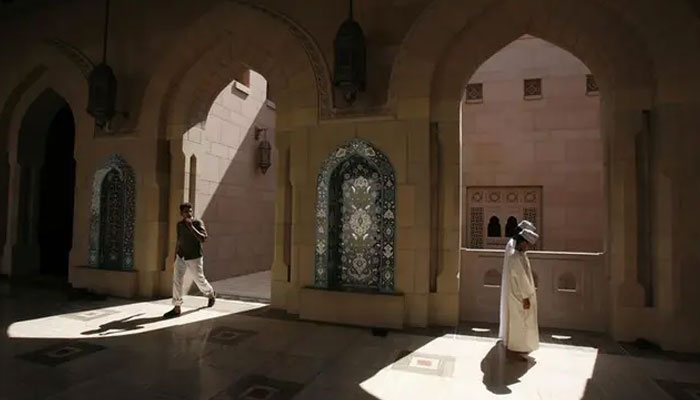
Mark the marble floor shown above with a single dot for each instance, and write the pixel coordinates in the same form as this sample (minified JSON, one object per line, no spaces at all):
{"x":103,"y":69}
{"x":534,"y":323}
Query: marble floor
{"x":251,"y":287}
{"x":59,"y":346}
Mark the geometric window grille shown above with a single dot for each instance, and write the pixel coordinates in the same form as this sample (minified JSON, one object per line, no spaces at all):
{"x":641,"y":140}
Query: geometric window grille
{"x":355,"y":220}
{"x":532,"y":89}
{"x":112,"y":216}
{"x":493,"y":213}
{"x":475,"y":93}
{"x":591,"y":85}
{"x":476,"y":225}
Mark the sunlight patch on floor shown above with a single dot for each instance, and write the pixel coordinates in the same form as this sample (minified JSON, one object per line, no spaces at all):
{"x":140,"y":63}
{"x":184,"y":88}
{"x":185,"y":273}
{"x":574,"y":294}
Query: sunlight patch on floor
{"x":462,"y":366}
{"x":128,"y":319}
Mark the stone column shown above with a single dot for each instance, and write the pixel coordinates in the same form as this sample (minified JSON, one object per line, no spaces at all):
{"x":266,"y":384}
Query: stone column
{"x":281,"y":273}
{"x":25,"y":251}
{"x":622,"y":200}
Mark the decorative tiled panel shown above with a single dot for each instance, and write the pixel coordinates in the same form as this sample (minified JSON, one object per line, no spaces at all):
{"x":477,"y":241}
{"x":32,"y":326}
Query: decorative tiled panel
{"x":494,"y":213}
{"x":355,"y":220}
{"x":112,"y":216}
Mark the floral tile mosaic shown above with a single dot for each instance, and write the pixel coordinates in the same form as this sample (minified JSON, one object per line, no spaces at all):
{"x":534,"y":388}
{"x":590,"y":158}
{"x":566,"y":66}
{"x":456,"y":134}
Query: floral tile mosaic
{"x":112,"y":216}
{"x":355,"y":220}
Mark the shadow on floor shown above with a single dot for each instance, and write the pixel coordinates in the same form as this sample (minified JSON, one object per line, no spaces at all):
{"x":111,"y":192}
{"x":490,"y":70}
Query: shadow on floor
{"x":130,"y":324}
{"x":500,"y":372}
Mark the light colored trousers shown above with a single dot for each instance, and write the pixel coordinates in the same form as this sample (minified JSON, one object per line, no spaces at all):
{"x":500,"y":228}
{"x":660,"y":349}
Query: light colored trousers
{"x":196,"y":269}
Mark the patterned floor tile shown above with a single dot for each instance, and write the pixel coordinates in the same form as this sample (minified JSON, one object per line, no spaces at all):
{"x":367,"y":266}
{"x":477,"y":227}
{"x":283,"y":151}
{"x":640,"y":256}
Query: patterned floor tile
{"x":228,"y":336}
{"x":426,"y":364}
{"x":680,"y":390}
{"x":257,"y":387}
{"x":61,"y":353}
{"x":90,"y":315}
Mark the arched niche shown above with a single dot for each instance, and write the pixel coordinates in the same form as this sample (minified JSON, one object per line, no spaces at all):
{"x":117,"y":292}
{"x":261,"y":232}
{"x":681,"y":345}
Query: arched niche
{"x":355,"y":220}
{"x":566,"y":282}
{"x":492,"y":278}
{"x":112,"y":216}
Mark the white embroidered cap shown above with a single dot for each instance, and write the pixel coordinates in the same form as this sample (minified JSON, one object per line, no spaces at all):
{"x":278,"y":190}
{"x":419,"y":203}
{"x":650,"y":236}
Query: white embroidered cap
{"x":525,"y":224}
{"x":529,"y":235}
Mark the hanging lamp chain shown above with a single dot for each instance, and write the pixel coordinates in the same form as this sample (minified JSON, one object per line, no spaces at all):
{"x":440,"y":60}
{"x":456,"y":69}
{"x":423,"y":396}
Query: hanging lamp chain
{"x":104,"y":36}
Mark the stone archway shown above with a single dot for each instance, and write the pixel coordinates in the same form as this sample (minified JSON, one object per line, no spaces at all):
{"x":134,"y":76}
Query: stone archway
{"x":46,"y":188}
{"x":428,"y":84}
{"x":219,"y":49}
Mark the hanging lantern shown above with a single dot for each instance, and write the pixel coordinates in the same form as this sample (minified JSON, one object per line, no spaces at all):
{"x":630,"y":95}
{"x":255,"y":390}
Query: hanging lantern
{"x":102,"y":84}
{"x":350,"y":55}
{"x":102,"y":94}
{"x":264,"y":150}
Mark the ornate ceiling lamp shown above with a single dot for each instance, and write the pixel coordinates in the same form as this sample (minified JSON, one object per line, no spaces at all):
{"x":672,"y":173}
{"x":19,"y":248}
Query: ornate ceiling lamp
{"x":350,"y":56}
{"x":102,"y":85}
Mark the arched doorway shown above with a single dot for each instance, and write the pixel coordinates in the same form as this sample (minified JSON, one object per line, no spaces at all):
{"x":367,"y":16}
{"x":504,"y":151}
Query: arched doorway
{"x":532,"y":149}
{"x":46,"y":188}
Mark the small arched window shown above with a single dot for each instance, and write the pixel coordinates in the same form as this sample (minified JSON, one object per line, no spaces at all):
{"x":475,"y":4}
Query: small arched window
{"x":494,"y":228}
{"x":511,"y":226}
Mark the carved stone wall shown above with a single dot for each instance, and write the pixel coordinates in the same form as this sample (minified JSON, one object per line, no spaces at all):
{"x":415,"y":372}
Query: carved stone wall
{"x":492,"y":210}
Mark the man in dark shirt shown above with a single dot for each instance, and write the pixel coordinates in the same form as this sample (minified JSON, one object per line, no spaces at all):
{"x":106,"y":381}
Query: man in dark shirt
{"x":190,"y":236}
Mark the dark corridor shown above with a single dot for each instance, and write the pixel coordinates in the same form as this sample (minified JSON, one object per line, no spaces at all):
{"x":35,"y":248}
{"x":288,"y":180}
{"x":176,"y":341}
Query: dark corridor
{"x":56,"y":196}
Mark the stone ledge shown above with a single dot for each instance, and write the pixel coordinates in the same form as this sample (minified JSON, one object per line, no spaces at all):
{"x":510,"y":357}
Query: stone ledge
{"x":353,"y":308}
{"x":104,"y":281}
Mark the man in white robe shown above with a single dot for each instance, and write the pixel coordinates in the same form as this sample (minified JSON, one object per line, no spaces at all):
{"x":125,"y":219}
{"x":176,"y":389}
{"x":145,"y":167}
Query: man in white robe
{"x":520,"y":328}
{"x":505,"y":281}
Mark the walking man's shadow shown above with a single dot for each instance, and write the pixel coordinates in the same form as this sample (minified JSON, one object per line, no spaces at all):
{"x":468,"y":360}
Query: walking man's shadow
{"x":500,"y":372}
{"x":129,"y":324}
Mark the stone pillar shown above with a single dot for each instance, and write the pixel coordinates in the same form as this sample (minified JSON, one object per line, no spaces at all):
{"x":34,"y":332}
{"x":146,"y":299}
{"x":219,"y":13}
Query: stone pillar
{"x":281,"y":273}
{"x":176,"y":197}
{"x":643,"y":171}
{"x":622,"y":200}
{"x":25,"y":251}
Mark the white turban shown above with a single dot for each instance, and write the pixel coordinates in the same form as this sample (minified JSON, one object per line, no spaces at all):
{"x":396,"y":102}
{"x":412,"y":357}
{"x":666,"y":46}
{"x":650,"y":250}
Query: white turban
{"x":529,"y":235}
{"x":525,"y":224}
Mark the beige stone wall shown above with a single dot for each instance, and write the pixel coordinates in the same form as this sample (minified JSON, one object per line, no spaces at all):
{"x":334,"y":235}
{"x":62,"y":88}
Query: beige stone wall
{"x":231,"y":195}
{"x":553,"y":142}
{"x":567,"y":288}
